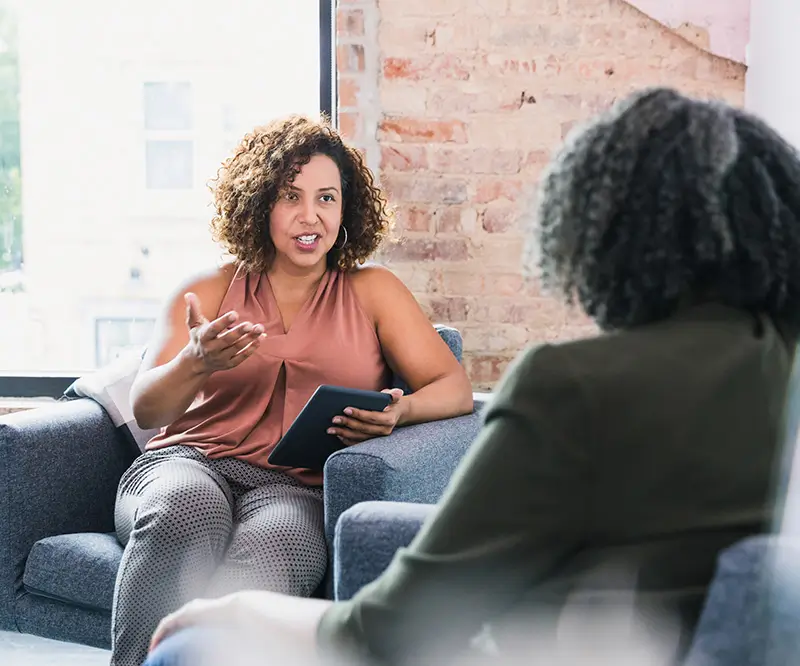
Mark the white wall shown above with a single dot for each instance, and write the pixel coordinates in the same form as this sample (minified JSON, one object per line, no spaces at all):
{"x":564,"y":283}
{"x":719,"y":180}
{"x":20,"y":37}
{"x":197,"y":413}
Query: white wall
{"x":773,"y":75}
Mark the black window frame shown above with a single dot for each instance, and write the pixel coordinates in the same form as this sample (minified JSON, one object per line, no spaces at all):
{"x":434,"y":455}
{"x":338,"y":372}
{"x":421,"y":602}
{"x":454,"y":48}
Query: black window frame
{"x":53,"y":384}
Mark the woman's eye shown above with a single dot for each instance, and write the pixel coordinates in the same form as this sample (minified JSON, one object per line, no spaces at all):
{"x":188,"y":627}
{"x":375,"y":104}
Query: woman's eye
{"x":290,"y":196}
{"x":327,"y":198}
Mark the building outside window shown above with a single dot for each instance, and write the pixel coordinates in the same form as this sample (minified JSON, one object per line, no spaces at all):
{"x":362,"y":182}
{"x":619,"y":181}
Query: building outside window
{"x":113,"y":120}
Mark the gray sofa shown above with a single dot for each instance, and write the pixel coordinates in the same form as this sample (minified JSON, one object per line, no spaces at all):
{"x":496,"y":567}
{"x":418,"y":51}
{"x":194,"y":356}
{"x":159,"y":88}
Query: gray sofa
{"x":59,"y":470}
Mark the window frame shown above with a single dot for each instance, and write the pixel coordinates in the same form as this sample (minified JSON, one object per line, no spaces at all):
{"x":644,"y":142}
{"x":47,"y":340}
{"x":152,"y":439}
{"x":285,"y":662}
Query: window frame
{"x":53,"y":385}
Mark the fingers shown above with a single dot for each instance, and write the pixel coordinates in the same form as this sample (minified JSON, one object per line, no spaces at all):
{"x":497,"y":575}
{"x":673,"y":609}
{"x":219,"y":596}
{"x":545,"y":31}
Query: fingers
{"x":345,"y":427}
{"x":350,"y":437}
{"x":365,"y":416}
{"x":244,"y":331}
{"x":396,"y":394}
{"x":218,"y":326}
{"x":168,"y":626}
{"x":245,"y":353}
{"x":194,"y":316}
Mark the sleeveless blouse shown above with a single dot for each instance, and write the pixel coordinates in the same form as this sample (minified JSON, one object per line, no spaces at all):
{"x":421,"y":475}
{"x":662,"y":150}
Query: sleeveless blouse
{"x":243,"y":412}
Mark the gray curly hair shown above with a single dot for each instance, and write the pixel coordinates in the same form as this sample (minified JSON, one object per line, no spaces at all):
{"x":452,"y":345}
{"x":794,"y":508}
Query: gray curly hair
{"x":665,"y":200}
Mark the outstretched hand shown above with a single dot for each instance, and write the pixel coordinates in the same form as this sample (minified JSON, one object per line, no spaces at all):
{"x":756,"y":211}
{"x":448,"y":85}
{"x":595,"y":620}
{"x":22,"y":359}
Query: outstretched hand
{"x":220,"y":344}
{"x":359,"y":425}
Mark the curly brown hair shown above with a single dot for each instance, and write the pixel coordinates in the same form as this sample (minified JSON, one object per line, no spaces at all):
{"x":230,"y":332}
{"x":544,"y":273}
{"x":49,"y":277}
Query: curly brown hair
{"x":266,"y":161}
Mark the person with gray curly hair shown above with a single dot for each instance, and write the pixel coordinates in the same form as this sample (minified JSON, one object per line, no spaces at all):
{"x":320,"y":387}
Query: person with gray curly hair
{"x":611,"y":471}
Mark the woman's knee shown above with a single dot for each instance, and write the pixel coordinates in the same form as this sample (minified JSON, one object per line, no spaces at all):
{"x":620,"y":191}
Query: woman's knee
{"x":185,"y":506}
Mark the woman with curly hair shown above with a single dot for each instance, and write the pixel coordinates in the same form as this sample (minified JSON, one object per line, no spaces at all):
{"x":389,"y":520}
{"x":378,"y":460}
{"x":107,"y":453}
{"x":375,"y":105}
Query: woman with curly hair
{"x":611,"y":471}
{"x":235,"y":356}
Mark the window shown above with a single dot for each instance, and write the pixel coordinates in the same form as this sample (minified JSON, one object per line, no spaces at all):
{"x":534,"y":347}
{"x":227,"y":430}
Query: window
{"x":114,"y":337}
{"x":169,"y":165}
{"x":169,"y":152}
{"x":168,"y":106}
{"x":112,"y":122}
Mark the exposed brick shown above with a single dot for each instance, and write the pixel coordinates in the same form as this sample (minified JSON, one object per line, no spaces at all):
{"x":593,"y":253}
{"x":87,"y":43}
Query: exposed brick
{"x":403,"y":157}
{"x":349,"y":123}
{"x":348,"y":92}
{"x":402,"y":9}
{"x":421,"y":279}
{"x":429,"y":249}
{"x":485,"y":369}
{"x":498,"y":338}
{"x":504,"y":284}
{"x":502,"y":251}
{"x":536,"y":159}
{"x":599,"y":35}
{"x":416,"y":69}
{"x":400,"y":98}
{"x":475,"y":160}
{"x":491,"y":189}
{"x":448,"y":309}
{"x":489,"y":87}
{"x":350,"y":58}
{"x":461,"y":282}
{"x":541,"y":312}
{"x":411,"y":130}
{"x":450,"y":37}
{"x":453,"y":219}
{"x":448,"y":101}
{"x":534,"y":37}
{"x":424,"y":189}
{"x":512,"y":131}
{"x":500,"y":217}
{"x":579,"y":9}
{"x":350,"y":23}
{"x":504,"y":65}
{"x":414,"y":218}
{"x":566,"y":128}
{"x":536,"y":7}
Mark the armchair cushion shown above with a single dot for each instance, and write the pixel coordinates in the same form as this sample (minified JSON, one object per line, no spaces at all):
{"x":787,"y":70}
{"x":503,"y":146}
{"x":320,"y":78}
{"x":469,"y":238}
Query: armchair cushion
{"x":57,"y":568}
{"x":367,"y":537}
{"x":59,"y":471}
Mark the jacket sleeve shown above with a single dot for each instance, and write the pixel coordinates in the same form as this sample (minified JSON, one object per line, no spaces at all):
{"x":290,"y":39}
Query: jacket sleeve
{"x":514,"y":509}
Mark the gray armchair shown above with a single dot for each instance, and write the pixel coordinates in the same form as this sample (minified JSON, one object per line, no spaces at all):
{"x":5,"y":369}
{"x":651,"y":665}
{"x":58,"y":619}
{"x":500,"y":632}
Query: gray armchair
{"x":59,"y":470}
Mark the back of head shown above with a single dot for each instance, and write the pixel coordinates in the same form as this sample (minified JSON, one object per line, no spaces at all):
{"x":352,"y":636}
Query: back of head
{"x":665,"y":201}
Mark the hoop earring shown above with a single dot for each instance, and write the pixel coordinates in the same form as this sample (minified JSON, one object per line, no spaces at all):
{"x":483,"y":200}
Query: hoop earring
{"x":341,"y":247}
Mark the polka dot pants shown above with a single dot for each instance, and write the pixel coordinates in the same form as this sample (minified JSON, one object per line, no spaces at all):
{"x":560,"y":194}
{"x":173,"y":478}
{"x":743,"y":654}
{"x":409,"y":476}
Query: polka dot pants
{"x":194,"y":527}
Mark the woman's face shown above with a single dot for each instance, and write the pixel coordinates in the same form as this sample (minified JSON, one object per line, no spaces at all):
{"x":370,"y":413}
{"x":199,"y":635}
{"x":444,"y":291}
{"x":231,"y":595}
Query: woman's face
{"x":304,"y":223}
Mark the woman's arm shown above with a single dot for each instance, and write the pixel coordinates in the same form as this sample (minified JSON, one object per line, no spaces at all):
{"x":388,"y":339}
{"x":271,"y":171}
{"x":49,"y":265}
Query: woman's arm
{"x":414,"y":350}
{"x":173,"y":370}
{"x":513,"y":512}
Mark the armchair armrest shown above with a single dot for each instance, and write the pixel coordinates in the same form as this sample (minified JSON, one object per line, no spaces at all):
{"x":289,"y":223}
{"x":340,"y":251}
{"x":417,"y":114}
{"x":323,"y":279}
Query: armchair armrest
{"x":59,"y":470}
{"x":413,"y":464}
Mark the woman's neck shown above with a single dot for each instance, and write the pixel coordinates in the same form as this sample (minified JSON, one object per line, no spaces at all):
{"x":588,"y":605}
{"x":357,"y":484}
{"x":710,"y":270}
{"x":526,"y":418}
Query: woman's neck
{"x":294,"y":279}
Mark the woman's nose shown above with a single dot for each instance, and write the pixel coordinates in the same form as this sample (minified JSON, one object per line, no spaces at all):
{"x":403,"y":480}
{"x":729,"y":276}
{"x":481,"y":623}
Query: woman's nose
{"x":309,"y":212}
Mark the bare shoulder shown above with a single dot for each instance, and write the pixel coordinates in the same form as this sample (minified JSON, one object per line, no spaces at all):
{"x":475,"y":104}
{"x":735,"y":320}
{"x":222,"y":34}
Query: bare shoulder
{"x":372,"y":278}
{"x":380,"y":292}
{"x":210,"y":286}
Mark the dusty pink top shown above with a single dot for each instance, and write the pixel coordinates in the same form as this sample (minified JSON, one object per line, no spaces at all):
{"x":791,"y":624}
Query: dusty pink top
{"x":243,"y":412}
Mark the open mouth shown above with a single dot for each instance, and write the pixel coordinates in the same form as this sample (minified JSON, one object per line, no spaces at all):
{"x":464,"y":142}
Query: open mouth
{"x":307,"y":239}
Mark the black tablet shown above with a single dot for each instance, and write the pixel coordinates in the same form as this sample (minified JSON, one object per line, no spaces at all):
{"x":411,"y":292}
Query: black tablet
{"x":307,"y":442}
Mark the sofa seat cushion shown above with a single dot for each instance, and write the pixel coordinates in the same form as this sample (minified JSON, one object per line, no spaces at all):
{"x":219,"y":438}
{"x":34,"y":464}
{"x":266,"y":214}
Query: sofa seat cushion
{"x":79,"y":569}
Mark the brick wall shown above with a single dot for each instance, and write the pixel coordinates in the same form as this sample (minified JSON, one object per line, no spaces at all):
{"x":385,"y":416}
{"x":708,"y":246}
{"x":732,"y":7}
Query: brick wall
{"x":458,"y":104}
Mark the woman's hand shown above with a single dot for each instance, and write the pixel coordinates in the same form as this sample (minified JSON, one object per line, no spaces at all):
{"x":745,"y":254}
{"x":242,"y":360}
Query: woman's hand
{"x":359,"y":425}
{"x":220,"y":344}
